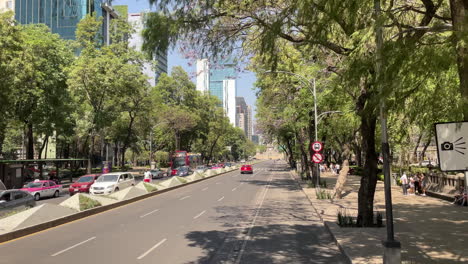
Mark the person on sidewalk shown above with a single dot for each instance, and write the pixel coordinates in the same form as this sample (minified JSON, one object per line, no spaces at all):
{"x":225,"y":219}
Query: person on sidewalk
{"x":404,"y":183}
{"x":147,"y":177}
{"x":416,"y":183}
{"x":423,"y":183}
{"x":411,"y":185}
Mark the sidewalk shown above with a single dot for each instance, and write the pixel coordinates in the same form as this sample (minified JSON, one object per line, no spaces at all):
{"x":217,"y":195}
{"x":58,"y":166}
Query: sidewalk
{"x":430,"y":230}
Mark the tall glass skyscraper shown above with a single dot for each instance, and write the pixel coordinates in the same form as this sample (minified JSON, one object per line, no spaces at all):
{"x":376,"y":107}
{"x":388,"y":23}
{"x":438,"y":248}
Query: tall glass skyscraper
{"x":61,"y":16}
{"x":219,"y":79}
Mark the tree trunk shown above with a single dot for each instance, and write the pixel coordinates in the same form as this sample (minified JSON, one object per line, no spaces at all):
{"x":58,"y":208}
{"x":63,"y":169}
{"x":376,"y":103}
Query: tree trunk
{"x":2,"y":137}
{"x":30,"y":142}
{"x":126,"y":142}
{"x":369,"y":179}
{"x":304,"y":158}
{"x":44,"y":143}
{"x":426,"y":145}
{"x":89,"y":166}
{"x":291,"y":158}
{"x":459,"y":12}
{"x":415,"y":151}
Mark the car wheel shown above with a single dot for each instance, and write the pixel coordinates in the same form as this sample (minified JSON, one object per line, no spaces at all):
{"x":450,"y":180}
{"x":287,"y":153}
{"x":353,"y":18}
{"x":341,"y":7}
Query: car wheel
{"x":37,"y":197}
{"x":116,"y":189}
{"x":56,"y":194}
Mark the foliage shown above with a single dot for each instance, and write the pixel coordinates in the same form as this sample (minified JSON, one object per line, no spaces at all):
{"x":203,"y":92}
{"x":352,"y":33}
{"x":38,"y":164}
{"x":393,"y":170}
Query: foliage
{"x":87,"y":203}
{"x":323,"y":194}
{"x":150,"y":187}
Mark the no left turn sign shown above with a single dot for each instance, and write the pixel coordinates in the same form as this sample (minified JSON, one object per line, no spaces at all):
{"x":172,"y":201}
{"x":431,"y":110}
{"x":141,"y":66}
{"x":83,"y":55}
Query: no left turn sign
{"x":317,"y":146}
{"x":317,"y":158}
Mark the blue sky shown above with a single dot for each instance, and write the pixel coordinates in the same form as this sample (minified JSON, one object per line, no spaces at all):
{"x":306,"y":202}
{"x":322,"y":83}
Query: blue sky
{"x":245,"y":81}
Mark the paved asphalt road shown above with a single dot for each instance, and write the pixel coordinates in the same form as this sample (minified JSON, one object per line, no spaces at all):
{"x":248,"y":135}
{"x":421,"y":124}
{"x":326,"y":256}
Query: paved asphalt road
{"x":232,"y":218}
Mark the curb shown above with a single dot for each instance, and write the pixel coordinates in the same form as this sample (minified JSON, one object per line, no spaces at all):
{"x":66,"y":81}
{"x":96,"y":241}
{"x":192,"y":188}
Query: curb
{"x":325,"y":223}
{"x":440,"y":196}
{"x":69,"y":218}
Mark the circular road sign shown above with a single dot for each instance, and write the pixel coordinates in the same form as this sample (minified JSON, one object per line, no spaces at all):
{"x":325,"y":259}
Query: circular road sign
{"x":317,"y":158}
{"x":317,"y":146}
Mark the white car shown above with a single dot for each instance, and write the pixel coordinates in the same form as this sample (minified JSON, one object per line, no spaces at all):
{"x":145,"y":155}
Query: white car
{"x":112,"y":182}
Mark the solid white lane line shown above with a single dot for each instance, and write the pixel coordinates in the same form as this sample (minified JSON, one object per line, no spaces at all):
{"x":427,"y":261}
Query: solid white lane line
{"x":198,"y":215}
{"x":234,"y":189}
{"x":204,"y":189}
{"x":153,"y":248}
{"x":241,"y":183}
{"x":253,"y":222}
{"x":218,"y":183}
{"x":183,"y":198}
{"x":154,"y":211}
{"x":74,"y":246}
{"x":220,"y":199}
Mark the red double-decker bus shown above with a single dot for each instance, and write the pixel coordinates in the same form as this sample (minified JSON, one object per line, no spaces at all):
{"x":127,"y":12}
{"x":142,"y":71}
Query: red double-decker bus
{"x":183,"y":158}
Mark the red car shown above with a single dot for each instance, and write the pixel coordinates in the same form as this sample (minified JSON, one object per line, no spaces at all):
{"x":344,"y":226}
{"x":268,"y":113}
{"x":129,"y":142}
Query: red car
{"x":83,"y":183}
{"x":246,"y":169}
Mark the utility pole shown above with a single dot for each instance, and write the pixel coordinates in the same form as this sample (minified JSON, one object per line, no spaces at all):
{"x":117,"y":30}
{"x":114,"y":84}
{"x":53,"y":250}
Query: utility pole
{"x":392,"y":248}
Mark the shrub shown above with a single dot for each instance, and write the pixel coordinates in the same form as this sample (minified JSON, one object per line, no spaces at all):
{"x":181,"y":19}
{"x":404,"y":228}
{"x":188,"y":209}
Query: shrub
{"x":323,"y":194}
{"x":181,"y":179}
{"x":344,"y":219}
{"x":149,"y":187}
{"x":312,"y":184}
{"x":87,"y":203}
{"x":380,"y":177}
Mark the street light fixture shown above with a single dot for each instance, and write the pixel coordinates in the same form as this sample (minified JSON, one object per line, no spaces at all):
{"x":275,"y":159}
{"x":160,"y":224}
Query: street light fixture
{"x":311,"y":85}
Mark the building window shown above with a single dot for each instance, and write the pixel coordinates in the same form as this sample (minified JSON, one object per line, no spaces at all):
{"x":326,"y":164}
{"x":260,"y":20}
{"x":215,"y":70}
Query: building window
{"x":9,"y":4}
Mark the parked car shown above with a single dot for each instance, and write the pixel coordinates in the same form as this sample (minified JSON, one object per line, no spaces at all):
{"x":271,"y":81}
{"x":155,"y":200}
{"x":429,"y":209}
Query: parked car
{"x":242,"y":160}
{"x":40,"y":189}
{"x":246,"y":169}
{"x":83,"y":184}
{"x":184,"y":171}
{"x":158,"y":173}
{"x":201,"y":169}
{"x":215,"y":166}
{"x":112,"y":182}
{"x":228,"y":164}
{"x":11,"y":200}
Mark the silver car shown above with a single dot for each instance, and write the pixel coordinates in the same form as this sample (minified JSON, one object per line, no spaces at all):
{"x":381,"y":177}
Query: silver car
{"x":11,"y":200}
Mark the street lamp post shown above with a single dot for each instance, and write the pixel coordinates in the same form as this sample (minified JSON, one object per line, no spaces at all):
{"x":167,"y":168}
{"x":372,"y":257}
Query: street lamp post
{"x":309,"y":84}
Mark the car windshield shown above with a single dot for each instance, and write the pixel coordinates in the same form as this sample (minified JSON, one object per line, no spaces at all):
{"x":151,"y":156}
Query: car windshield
{"x":86,"y":179}
{"x":179,"y":161}
{"x":200,"y":167}
{"x":34,"y":185}
{"x":108,"y":178}
{"x":154,"y":171}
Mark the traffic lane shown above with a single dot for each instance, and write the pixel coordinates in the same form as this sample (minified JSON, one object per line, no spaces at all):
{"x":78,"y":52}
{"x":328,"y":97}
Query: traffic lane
{"x":213,"y":239}
{"x":287,"y":228}
{"x":111,"y":221}
{"x":161,"y":230}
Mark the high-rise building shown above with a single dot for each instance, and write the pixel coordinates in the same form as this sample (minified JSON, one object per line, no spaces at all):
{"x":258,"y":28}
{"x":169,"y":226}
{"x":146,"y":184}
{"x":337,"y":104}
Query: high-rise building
{"x":249,"y":122}
{"x":244,"y":117}
{"x":62,"y":17}
{"x":159,"y":61}
{"x":219,"y":80}
{"x":203,"y":75}
{"x":7,"y":5}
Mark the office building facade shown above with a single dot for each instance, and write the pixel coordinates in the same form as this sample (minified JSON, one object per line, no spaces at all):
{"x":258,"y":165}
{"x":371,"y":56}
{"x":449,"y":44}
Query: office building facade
{"x":244,"y":116}
{"x":62,"y":17}
{"x":7,"y":5}
{"x":203,"y":75}
{"x":219,"y":80}
{"x":158,"y":65}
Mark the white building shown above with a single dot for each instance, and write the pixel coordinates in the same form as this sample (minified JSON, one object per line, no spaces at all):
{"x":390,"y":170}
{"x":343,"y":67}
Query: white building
{"x":203,"y":75}
{"x":229,"y":100}
{"x":7,"y":5}
{"x":159,"y":64}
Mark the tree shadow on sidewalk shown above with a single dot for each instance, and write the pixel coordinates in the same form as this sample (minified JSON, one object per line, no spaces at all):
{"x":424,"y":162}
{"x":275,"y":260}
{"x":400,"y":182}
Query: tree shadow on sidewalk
{"x":269,"y":244}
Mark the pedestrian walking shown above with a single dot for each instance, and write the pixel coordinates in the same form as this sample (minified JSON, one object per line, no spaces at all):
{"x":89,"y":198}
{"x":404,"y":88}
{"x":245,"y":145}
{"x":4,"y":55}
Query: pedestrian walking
{"x":337,"y":168}
{"x":416,"y":183}
{"x":147,"y":177}
{"x":423,"y":183}
{"x":404,"y":183}
{"x":411,"y":185}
